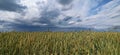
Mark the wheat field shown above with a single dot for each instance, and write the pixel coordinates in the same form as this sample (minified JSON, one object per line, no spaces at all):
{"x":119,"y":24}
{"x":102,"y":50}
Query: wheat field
{"x":60,"y":43}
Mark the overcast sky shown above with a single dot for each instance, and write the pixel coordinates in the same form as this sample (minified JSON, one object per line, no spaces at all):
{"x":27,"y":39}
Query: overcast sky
{"x":32,"y":14}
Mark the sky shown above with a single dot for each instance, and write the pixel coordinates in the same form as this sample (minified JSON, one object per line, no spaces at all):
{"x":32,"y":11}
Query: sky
{"x":31,"y":15}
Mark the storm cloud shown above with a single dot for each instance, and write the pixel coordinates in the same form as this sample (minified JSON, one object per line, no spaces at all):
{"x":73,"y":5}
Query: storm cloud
{"x":10,"y":5}
{"x":64,"y":2}
{"x":34,"y":15}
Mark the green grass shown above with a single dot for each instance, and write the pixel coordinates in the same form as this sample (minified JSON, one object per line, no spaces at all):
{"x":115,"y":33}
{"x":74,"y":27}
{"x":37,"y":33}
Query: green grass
{"x":60,"y":43}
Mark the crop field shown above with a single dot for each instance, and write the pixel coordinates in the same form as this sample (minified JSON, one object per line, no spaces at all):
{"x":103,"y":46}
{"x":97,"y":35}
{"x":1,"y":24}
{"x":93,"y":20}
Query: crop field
{"x":60,"y":43}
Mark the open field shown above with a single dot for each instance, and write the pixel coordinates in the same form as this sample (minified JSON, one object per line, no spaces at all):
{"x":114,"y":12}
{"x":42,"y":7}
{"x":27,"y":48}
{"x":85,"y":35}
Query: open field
{"x":60,"y":43}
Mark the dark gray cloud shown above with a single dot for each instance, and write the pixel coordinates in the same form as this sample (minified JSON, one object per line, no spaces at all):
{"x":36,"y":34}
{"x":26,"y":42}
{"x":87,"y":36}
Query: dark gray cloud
{"x":67,"y":18}
{"x":1,"y":21}
{"x":114,"y":28}
{"x":22,"y":26}
{"x":64,"y":2}
{"x":26,"y":27}
{"x":10,"y":5}
{"x":50,"y":14}
{"x":79,"y":20}
{"x":47,"y":16}
{"x":44,"y":14}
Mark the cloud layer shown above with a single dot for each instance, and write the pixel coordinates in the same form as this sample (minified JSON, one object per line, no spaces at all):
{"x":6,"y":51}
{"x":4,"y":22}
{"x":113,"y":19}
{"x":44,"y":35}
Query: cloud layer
{"x":32,"y":15}
{"x":10,"y":5}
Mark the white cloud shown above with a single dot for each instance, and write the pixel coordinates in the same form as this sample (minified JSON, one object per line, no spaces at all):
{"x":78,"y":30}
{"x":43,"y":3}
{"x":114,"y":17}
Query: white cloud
{"x":39,"y":24}
{"x":107,"y":16}
{"x":88,"y":11}
{"x":9,"y":16}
